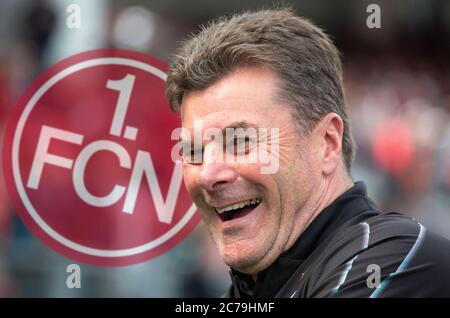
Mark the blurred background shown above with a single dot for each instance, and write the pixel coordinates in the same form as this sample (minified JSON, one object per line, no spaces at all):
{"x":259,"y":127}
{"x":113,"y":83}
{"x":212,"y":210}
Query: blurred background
{"x":397,"y":82}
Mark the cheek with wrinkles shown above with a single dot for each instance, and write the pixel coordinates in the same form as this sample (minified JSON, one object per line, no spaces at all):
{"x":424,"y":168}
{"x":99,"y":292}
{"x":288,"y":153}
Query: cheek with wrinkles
{"x":191,"y":184}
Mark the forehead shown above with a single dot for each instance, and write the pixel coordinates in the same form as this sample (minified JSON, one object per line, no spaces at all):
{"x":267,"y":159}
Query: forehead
{"x":247,"y":94}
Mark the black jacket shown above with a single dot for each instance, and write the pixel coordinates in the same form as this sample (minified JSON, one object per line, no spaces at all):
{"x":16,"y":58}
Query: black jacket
{"x":352,"y":249}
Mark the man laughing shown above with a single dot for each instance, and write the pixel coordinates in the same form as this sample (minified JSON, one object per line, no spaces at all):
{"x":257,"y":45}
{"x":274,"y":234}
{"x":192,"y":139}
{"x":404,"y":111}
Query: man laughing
{"x":305,"y":229}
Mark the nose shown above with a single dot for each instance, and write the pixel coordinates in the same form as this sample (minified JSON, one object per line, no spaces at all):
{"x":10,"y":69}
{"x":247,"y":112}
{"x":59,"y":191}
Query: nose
{"x":215,"y":176}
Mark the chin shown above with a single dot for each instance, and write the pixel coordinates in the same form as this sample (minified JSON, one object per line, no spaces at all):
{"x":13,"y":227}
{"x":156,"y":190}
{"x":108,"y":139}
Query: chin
{"x":246,"y":259}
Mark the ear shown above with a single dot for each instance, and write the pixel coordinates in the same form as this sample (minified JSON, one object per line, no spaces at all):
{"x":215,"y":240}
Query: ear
{"x":330,"y":131}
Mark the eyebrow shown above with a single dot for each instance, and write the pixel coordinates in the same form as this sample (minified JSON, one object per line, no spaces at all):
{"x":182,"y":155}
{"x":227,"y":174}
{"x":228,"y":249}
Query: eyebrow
{"x":234,"y":125}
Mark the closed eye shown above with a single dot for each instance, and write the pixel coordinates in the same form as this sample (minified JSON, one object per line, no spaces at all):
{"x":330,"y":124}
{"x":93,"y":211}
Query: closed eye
{"x":191,"y":155}
{"x":239,"y":145}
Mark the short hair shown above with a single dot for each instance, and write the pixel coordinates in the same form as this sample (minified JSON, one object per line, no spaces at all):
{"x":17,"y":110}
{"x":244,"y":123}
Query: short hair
{"x":301,"y":55}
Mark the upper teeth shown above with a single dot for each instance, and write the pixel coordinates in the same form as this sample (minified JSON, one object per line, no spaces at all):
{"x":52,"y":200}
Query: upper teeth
{"x":238,"y":205}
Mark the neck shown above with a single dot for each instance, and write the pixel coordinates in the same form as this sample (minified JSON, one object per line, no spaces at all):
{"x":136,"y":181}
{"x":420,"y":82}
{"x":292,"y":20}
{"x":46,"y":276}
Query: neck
{"x":329,"y":189}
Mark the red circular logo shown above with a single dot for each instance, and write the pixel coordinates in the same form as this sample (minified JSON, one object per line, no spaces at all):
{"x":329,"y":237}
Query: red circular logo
{"x":88,"y":164}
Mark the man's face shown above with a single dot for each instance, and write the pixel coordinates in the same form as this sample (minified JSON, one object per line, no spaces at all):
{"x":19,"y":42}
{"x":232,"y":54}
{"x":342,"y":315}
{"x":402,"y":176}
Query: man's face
{"x":268,"y":211}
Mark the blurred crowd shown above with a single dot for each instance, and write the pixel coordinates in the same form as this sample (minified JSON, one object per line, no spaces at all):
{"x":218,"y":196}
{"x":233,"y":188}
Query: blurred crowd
{"x":399,"y":103}
{"x":400,"y":111}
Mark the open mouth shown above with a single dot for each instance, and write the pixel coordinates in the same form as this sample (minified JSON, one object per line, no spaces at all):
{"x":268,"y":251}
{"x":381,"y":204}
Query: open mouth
{"x":238,"y":210}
